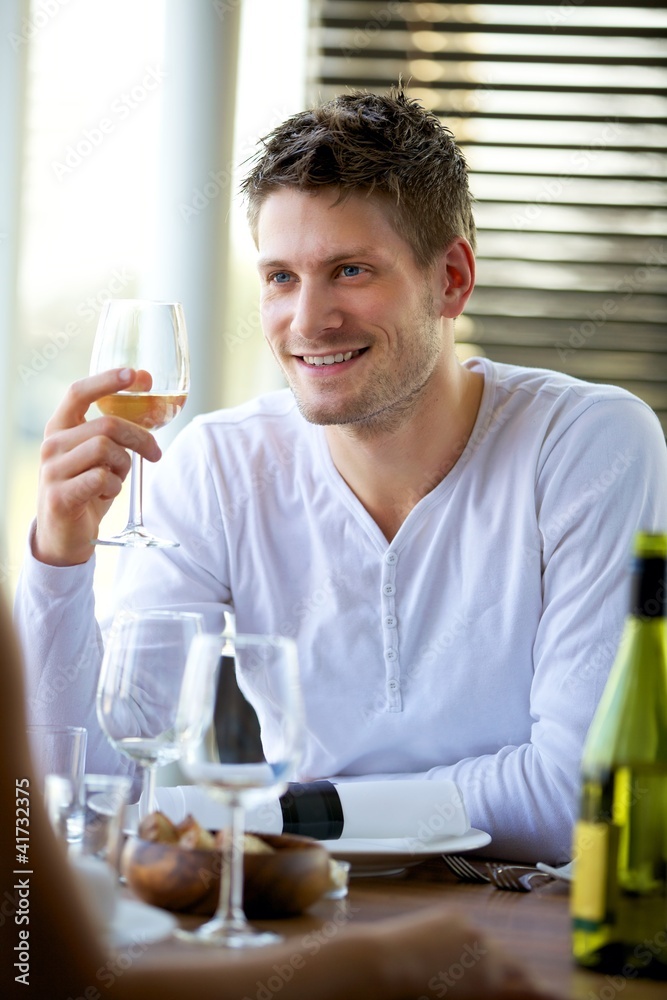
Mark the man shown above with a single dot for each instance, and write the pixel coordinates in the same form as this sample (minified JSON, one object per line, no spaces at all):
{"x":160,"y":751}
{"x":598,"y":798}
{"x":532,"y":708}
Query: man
{"x":49,"y":939}
{"x":447,"y":542}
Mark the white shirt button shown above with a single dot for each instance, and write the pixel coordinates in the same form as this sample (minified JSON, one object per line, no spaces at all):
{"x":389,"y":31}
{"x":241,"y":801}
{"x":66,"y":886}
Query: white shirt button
{"x":390,"y":621}
{"x":393,"y":685}
{"x":391,"y":558}
{"x":389,"y":589}
{"x":390,"y":654}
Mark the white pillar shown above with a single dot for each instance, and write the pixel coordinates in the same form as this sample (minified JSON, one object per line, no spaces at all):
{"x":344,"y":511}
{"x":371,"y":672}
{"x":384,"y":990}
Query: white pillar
{"x":13,"y":51}
{"x":194,"y":178}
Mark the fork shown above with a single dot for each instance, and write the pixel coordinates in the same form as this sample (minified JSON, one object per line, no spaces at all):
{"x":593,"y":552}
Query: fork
{"x":517,"y":878}
{"x":463,"y":869}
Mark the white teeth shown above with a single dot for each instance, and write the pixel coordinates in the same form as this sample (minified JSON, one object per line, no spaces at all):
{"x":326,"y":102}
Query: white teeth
{"x":330,"y":359}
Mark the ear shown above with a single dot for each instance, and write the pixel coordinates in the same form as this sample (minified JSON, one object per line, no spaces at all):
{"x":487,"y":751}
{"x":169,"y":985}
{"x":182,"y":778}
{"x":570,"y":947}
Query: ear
{"x":456,"y":275}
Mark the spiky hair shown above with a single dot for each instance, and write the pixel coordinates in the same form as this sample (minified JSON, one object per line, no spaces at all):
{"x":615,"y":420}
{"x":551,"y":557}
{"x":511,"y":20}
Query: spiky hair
{"x":384,"y":145}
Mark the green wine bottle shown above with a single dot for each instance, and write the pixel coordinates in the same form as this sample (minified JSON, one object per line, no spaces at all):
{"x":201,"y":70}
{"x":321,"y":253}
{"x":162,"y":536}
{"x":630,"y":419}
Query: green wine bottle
{"x":619,"y":896}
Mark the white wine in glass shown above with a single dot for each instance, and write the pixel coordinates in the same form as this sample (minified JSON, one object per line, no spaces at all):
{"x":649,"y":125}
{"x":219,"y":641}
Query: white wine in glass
{"x":151,"y":338}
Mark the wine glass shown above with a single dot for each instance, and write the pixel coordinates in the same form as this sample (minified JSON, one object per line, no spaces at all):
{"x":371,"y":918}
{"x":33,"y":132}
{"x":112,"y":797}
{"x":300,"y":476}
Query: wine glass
{"x":151,"y":338}
{"x":249,"y":752}
{"x":149,"y":702}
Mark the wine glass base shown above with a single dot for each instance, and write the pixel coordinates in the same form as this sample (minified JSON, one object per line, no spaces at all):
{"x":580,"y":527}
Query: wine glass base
{"x":137,"y":538}
{"x":215,"y":934}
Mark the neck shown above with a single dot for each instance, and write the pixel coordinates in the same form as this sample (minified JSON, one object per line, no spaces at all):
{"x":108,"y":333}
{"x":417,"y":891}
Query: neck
{"x":395,"y":462}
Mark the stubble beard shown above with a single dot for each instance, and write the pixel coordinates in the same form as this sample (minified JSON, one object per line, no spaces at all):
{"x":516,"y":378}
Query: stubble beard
{"x":389,"y":397}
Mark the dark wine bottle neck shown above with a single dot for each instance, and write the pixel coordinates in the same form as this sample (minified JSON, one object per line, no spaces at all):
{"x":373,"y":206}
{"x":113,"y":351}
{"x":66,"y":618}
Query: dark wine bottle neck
{"x":649,"y":595}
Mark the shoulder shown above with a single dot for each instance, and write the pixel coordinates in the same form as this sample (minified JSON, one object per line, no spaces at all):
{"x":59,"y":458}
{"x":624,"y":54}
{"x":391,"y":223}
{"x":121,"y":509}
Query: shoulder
{"x":272,"y":416}
{"x":266,"y":429}
{"x":272,"y":407}
{"x":553,"y":401}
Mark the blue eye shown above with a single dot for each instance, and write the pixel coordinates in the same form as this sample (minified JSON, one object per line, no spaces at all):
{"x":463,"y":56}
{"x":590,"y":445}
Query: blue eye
{"x":351,"y":270}
{"x":281,"y":278}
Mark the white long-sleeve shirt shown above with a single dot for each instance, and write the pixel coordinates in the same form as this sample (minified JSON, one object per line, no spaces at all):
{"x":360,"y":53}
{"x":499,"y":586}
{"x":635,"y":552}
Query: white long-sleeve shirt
{"x":473,"y":646}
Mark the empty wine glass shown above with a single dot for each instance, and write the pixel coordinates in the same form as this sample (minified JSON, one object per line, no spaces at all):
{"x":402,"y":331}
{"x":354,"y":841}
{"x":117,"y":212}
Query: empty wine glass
{"x":151,"y":338}
{"x":250,"y":751}
{"x":149,"y":702}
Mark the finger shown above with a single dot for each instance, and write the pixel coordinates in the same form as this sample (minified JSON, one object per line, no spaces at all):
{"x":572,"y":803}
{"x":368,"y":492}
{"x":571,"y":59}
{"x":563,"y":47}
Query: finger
{"x":114,"y":429}
{"x":93,"y":453}
{"x":143,"y":381}
{"x":81,"y":394}
{"x":75,"y":494}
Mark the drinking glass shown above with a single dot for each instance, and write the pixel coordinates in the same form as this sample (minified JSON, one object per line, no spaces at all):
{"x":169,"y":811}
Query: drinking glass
{"x":60,"y":752}
{"x":99,"y":800}
{"x":249,"y":752}
{"x":98,"y":804}
{"x":148,"y":700}
{"x":151,"y":338}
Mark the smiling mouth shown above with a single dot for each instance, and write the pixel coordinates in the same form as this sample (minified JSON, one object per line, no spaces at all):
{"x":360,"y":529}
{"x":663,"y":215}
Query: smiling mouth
{"x":331,"y":359}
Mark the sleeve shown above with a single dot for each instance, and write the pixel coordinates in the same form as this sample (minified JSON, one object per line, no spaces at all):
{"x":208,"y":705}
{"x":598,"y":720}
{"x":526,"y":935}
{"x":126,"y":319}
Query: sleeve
{"x":55,"y":606}
{"x":54,"y":614}
{"x":601,"y":478}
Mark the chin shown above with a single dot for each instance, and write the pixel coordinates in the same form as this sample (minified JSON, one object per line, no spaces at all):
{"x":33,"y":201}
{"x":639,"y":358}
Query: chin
{"x":322,"y":415}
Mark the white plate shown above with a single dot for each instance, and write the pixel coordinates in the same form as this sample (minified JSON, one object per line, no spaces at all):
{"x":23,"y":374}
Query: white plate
{"x":385,"y":857}
{"x":135,"y":922}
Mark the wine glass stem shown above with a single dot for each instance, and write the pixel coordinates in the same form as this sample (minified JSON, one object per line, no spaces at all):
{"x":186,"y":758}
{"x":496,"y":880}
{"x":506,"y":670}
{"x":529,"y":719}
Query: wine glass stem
{"x":148,"y":802}
{"x":135,"y":519}
{"x":230,"y":907}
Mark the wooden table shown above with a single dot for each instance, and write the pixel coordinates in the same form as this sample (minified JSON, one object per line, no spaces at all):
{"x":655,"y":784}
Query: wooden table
{"x":534,"y":927}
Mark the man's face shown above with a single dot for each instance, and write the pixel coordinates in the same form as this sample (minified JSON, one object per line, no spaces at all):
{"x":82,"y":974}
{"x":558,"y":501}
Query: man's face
{"x":350,"y":317}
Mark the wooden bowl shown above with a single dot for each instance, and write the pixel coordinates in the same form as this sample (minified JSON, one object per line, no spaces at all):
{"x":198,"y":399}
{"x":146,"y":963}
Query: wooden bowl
{"x":283,"y":883}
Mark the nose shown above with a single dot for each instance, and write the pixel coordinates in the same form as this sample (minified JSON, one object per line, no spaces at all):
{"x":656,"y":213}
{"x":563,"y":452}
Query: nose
{"x":315,"y":311}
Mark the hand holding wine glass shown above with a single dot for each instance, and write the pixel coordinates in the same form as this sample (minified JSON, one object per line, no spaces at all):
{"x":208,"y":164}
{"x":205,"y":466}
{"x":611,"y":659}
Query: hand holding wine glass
{"x":250,"y":752}
{"x":149,"y":337}
{"x":150,"y":702}
{"x":84,"y":461}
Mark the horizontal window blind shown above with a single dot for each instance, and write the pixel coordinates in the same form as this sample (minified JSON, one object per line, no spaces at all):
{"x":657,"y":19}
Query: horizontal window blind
{"x":561,"y":111}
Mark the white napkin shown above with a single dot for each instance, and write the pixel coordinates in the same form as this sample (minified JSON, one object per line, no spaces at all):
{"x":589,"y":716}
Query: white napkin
{"x":423,"y":810}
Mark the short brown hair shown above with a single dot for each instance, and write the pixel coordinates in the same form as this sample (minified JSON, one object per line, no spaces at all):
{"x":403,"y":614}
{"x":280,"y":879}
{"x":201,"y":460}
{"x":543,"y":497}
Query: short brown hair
{"x":381,"y":144}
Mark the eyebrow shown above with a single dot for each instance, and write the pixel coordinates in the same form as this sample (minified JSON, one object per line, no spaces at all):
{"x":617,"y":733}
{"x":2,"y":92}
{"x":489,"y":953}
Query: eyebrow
{"x":350,"y":253}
